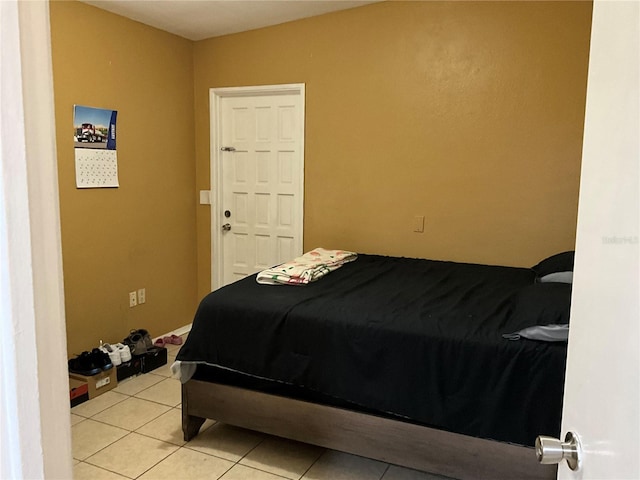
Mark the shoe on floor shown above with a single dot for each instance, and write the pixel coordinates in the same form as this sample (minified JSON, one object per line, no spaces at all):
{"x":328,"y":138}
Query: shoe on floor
{"x":114,"y":354}
{"x":124,"y":351}
{"x":173,"y":339}
{"x":139,"y":341}
{"x":84,"y":365}
{"x":146,"y":337}
{"x":101,"y":359}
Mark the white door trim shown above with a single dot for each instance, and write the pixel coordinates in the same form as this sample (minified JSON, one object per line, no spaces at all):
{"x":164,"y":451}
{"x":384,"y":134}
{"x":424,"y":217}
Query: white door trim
{"x":35,"y":430}
{"x":215,"y":99}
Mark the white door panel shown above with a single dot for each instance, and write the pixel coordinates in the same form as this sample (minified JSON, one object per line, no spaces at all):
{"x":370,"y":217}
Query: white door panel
{"x":261,"y":181}
{"x":602,"y":399}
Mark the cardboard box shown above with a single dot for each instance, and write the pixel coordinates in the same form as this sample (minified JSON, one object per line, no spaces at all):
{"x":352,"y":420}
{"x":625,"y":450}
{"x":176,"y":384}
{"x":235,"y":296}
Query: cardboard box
{"x":78,"y":391}
{"x":129,"y":369}
{"x":98,"y":383}
{"x":154,"y":358}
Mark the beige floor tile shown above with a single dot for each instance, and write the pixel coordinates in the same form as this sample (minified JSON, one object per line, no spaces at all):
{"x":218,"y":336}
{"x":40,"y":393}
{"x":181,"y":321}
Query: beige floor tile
{"x":172,"y":349}
{"x":96,"y":405}
{"x":335,"y":465}
{"x":400,"y":473}
{"x":89,"y":437}
{"x":133,"y":385}
{"x":168,"y":427}
{"x":225,"y":441}
{"x":75,"y":419}
{"x":240,"y":472}
{"x":84,"y":471}
{"x":168,"y":392}
{"x":283,"y":457}
{"x":132,"y":455}
{"x":165,"y":370}
{"x":132,"y":413}
{"x":188,"y":464}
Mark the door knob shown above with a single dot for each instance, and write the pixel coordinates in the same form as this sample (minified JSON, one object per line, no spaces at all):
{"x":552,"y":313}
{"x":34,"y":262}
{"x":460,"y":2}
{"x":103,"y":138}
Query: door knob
{"x":226,"y":227}
{"x":551,"y":450}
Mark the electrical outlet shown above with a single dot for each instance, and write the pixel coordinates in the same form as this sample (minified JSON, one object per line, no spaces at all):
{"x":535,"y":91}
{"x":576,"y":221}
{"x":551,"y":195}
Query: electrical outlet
{"x":132,"y":299}
{"x":142,"y":295}
{"x":418,"y":223}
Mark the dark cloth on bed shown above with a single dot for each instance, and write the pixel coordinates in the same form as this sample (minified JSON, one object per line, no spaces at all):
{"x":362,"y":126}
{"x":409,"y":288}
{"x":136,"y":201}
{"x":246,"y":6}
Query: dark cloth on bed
{"x":419,"y":339}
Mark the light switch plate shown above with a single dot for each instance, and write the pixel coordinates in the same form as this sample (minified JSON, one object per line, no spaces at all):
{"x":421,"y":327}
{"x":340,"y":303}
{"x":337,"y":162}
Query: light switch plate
{"x":205,"y":197}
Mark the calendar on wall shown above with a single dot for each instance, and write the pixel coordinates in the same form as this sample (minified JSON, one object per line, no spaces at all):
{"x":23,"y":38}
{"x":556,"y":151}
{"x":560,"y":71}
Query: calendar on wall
{"x":96,"y":168}
{"x":94,"y":137}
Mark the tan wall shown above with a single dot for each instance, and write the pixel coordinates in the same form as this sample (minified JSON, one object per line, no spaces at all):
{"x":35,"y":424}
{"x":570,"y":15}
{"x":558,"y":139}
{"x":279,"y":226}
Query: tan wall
{"x":142,"y":234}
{"x":469,"y":113}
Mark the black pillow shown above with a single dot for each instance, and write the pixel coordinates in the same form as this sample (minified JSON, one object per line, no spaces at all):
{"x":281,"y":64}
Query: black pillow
{"x":541,"y":304}
{"x":561,"y":262}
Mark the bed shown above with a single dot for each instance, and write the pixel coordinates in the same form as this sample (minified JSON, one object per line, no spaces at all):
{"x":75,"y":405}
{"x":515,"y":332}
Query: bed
{"x":397,"y":359}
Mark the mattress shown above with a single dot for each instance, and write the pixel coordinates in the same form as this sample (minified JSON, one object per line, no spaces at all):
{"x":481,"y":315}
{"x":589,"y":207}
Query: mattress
{"x":414,"y":339}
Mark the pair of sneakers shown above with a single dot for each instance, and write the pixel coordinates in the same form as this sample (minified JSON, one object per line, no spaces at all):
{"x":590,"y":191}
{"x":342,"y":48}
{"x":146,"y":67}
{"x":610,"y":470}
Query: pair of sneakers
{"x":117,"y":352}
{"x":139,"y":341}
{"x":90,"y":363}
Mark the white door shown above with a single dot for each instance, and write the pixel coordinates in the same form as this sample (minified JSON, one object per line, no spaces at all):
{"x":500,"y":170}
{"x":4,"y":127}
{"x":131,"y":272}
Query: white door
{"x":602,"y":400}
{"x":259,"y":163}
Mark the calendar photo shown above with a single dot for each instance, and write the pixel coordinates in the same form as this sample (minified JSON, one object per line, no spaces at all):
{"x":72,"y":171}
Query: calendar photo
{"x":94,"y":127}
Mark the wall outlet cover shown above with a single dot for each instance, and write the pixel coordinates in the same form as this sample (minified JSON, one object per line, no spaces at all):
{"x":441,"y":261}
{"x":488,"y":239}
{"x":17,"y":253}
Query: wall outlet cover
{"x":133,"y":301}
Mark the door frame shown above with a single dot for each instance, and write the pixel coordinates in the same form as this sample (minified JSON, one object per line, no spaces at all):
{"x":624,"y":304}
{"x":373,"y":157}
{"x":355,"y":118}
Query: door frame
{"x":216,"y":95}
{"x":34,"y":388}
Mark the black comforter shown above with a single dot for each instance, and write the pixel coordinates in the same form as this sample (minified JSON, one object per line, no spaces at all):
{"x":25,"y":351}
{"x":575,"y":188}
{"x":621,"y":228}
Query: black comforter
{"x":417,"y":339}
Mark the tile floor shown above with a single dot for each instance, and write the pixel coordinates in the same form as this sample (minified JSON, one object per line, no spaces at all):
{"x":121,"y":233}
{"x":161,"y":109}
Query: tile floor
{"x":134,"y":431}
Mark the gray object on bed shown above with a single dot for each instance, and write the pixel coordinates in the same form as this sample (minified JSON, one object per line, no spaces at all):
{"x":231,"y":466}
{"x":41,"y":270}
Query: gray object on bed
{"x":542,"y":333}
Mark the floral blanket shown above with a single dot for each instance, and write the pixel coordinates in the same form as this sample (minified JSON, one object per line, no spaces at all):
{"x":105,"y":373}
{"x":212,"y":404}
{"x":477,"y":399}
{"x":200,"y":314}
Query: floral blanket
{"x":308,"y":268}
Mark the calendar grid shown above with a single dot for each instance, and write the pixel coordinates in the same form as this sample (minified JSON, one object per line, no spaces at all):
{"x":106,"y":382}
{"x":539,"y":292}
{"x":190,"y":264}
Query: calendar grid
{"x":96,"y":168}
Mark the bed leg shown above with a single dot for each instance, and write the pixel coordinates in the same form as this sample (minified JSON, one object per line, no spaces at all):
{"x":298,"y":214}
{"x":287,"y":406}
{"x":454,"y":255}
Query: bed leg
{"x":190,"y":423}
{"x":191,"y":426}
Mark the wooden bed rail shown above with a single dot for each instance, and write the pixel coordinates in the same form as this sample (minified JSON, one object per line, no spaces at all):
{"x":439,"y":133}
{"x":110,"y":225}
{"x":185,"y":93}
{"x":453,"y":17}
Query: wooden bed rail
{"x":422,"y":448}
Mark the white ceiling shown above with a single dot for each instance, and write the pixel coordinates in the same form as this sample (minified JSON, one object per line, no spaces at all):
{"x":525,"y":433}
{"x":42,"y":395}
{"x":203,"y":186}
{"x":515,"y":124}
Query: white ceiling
{"x":200,"y":19}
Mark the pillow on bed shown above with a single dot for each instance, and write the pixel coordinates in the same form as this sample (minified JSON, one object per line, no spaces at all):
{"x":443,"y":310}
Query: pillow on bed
{"x":561,"y":277}
{"x":559,"y":263}
{"x":542,"y":304}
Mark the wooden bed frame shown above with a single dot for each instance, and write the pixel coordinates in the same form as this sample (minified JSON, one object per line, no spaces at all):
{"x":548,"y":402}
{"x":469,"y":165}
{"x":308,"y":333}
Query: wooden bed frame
{"x":392,"y":441}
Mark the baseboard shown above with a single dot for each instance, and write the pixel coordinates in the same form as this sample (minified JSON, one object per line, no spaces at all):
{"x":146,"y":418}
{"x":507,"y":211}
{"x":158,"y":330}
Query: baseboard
{"x":181,"y":330}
